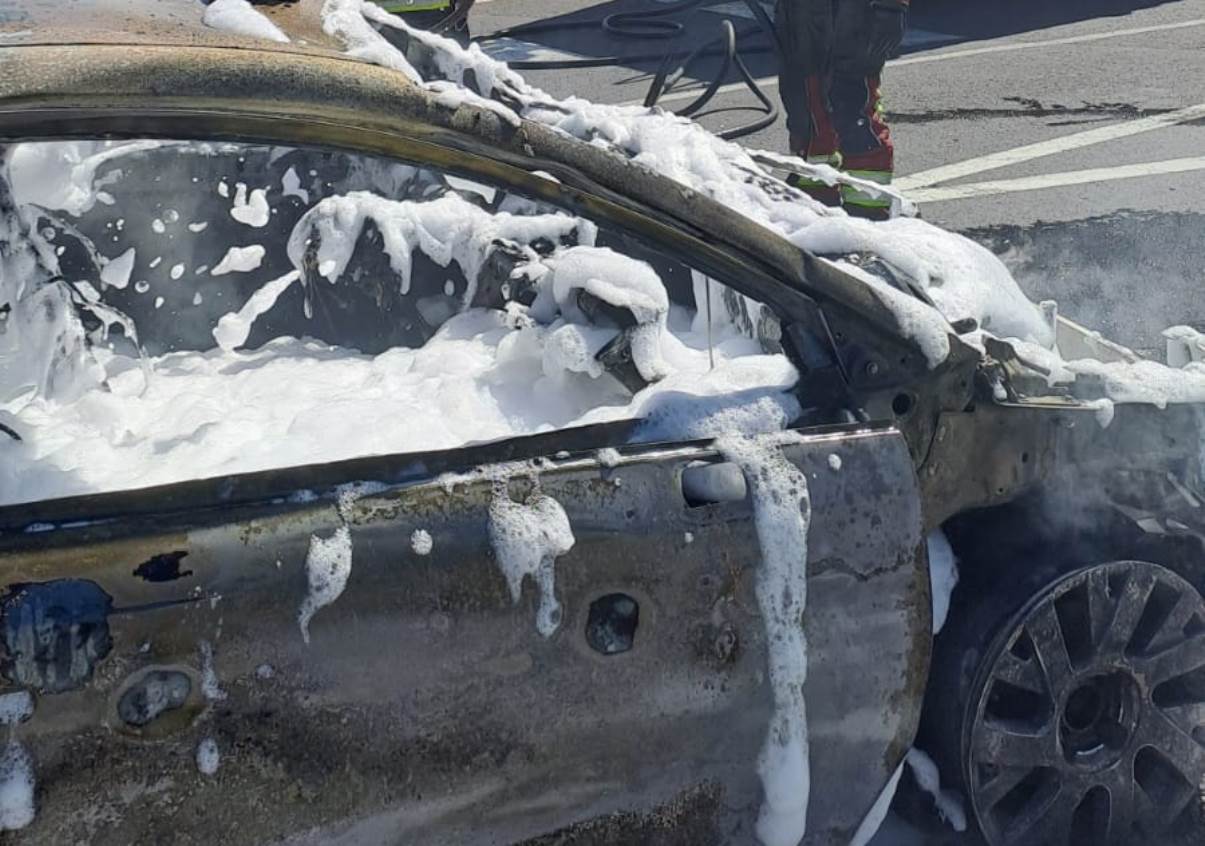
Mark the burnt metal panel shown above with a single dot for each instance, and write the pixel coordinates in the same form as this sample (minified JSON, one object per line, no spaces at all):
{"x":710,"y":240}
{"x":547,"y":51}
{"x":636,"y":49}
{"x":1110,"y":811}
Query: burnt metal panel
{"x":54,"y":633}
{"x":427,"y":708}
{"x":995,"y":453}
{"x":163,"y":22}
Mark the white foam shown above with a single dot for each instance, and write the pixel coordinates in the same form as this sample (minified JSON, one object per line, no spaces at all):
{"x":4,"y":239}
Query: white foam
{"x":17,"y":808}
{"x":251,"y":210}
{"x":239,"y":260}
{"x":15,"y":707}
{"x":916,"y":320}
{"x":327,"y":569}
{"x":619,"y":281}
{"x":963,"y":279}
{"x":608,"y":457}
{"x":295,"y":402}
{"x":1146,"y":382}
{"x":116,"y":272}
{"x":211,"y":688}
{"x":570,"y":348}
{"x":446,"y":229}
{"x":421,"y":542}
{"x":63,"y":175}
{"x":208,"y":757}
{"x":949,"y":805}
{"x":233,"y":328}
{"x":346,"y":21}
{"x":485,"y":375}
{"x":44,"y":347}
{"x":1142,"y":382}
{"x":527,"y":539}
{"x":782,"y":516}
{"x":241,"y":18}
{"x":943,"y":576}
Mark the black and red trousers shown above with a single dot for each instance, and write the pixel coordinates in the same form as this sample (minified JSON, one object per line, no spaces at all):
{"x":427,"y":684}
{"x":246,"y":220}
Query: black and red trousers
{"x":830,"y":88}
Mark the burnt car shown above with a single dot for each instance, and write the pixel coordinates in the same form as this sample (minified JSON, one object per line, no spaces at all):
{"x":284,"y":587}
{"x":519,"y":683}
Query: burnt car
{"x":393,"y":454}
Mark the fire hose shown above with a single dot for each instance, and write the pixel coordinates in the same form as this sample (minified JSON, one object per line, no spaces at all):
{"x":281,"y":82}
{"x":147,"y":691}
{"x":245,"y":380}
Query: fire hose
{"x":656,"y":25}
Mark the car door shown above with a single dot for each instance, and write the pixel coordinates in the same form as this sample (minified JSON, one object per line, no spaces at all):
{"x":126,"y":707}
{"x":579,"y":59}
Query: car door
{"x":560,"y":631}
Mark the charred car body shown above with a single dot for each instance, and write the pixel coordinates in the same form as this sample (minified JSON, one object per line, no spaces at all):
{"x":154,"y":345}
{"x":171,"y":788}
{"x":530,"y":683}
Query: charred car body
{"x":423,"y":694}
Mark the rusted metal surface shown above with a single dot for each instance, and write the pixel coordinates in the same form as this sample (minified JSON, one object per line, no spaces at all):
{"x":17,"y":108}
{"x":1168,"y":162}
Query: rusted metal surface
{"x":995,"y":453}
{"x":428,"y":708}
{"x":166,"y":22}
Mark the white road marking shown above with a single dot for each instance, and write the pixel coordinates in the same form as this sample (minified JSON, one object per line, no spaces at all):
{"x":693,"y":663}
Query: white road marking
{"x":1055,"y":180}
{"x":1053,"y":42}
{"x":1062,"y":144}
{"x":766,"y":81}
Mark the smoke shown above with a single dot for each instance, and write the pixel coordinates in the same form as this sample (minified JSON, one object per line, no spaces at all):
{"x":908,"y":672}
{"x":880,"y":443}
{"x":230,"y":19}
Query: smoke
{"x":1128,"y":275}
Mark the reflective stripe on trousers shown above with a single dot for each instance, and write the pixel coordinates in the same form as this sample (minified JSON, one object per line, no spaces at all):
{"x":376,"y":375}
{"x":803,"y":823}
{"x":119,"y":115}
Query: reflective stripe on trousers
{"x":852,"y":195}
{"x":400,"y":7}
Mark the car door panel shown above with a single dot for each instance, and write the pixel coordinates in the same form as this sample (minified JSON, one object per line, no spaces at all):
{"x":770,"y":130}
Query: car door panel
{"x":426,"y":707}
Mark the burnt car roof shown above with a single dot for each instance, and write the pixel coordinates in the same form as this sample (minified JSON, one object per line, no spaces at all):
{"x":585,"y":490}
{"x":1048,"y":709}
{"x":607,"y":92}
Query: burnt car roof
{"x":155,"y":23}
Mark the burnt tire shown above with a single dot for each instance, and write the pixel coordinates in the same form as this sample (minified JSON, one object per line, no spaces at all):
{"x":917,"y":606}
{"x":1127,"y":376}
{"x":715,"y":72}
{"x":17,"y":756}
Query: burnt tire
{"x":1070,"y":706}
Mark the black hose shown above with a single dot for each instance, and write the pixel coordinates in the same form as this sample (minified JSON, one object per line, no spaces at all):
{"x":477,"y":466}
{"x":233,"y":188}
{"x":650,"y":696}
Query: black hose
{"x":455,"y":18}
{"x":648,"y":25}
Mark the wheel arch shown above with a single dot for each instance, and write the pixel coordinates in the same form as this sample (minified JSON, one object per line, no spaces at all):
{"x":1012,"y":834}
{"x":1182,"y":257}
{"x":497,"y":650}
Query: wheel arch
{"x":1052,"y":530}
{"x":1011,"y":551}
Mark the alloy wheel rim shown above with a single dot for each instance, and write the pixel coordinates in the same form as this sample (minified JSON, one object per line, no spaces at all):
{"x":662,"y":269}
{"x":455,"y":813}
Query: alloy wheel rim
{"x":1087,"y":718}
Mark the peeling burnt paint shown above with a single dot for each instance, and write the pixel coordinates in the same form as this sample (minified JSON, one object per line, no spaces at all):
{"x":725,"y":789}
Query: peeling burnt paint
{"x":164,"y":567}
{"x":152,"y":695}
{"x":55,"y":633}
{"x":690,"y":819}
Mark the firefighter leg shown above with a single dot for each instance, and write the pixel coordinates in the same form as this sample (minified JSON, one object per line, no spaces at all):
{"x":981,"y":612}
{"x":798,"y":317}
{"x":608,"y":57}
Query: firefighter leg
{"x":857,"y":109}
{"x":866,"y":147}
{"x":806,"y":29}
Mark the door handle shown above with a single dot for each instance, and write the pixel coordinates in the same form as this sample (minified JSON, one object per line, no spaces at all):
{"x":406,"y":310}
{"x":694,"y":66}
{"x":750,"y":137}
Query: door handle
{"x":709,"y":484}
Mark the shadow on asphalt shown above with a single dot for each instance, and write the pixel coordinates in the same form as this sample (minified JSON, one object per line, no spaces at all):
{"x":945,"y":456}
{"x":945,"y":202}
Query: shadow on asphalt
{"x":932,"y":23}
{"x":974,"y":20}
{"x":1129,"y":275}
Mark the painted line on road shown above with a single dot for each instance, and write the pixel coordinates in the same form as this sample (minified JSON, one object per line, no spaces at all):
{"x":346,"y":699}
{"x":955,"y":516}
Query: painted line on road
{"x":688,"y":93}
{"x":1062,"y":144}
{"x":1055,"y":180}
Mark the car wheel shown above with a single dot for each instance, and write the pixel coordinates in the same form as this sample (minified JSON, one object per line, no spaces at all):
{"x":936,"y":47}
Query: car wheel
{"x":1079,"y":717}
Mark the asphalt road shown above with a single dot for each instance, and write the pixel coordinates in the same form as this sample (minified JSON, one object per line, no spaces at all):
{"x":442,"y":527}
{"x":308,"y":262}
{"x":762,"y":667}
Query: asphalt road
{"x":1106,"y":217}
{"x":1066,"y":135}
